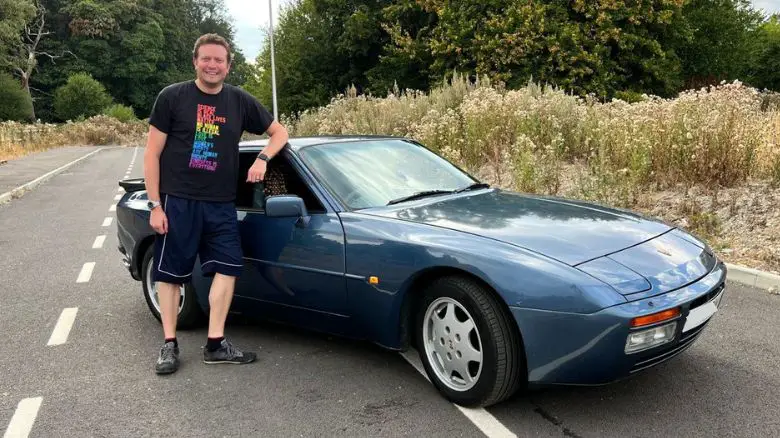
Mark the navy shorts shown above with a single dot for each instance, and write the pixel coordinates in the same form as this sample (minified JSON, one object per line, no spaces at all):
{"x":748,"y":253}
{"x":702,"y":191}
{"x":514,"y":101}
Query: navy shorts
{"x":197,"y":228}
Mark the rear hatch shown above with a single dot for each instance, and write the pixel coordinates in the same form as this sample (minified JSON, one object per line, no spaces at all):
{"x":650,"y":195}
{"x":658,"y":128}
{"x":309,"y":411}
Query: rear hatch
{"x":656,"y":266}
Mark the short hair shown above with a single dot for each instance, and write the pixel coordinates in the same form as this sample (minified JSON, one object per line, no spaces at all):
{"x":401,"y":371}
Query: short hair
{"x":211,"y":38}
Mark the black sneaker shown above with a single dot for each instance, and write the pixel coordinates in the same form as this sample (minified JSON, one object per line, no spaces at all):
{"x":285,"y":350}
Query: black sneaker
{"x":227,"y":353}
{"x":168,"y":361}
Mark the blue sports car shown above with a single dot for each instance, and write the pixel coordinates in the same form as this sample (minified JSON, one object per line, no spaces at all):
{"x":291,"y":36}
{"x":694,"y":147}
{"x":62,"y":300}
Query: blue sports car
{"x":379,"y":238}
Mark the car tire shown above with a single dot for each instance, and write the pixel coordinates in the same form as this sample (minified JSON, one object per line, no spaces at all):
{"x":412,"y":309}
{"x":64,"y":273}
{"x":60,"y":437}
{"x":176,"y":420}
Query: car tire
{"x":190,"y":313}
{"x":501,"y":368}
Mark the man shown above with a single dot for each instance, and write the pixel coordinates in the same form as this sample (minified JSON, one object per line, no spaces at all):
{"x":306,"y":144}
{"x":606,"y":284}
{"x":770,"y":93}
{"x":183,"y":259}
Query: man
{"x":191,"y":172}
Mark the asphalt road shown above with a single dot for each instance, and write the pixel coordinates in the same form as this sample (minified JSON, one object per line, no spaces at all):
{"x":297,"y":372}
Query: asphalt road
{"x":99,"y":380}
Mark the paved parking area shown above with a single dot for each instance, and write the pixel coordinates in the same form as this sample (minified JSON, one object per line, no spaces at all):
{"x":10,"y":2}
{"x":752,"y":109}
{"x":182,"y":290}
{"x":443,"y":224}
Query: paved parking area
{"x":79,"y":358}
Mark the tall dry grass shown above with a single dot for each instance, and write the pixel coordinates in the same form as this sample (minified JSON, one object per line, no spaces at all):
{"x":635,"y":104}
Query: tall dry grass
{"x":542,"y":140}
{"x":18,"y":139}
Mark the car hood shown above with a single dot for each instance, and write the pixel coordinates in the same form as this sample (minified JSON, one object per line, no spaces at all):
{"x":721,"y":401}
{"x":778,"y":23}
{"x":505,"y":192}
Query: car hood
{"x":569,"y":231}
{"x":638,"y":257}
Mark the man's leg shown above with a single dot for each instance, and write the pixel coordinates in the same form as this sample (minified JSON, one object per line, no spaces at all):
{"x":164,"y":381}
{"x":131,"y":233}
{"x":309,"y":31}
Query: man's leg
{"x":221,"y":256}
{"x":220,"y":298}
{"x":174,"y":258}
{"x":169,"y":297}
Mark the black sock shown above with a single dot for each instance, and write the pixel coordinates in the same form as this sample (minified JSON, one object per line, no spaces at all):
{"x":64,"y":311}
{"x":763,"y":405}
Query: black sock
{"x":213,"y":344}
{"x":174,"y":340}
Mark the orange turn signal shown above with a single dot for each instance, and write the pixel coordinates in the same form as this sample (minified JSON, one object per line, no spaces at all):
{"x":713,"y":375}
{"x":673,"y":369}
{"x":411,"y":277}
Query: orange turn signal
{"x":655,"y":317}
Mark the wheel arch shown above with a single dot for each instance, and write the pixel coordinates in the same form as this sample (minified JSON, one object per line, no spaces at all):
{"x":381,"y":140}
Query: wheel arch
{"x":140,"y":251}
{"x":412,"y":297}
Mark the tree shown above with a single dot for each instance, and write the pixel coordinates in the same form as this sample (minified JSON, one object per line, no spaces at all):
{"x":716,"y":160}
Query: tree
{"x":583,"y":46}
{"x":307,"y":65}
{"x":322,"y":47}
{"x":765,"y":65}
{"x":133,"y":47}
{"x":718,"y":39}
{"x":22,"y":53}
{"x":16,"y":102}
{"x":81,"y":96}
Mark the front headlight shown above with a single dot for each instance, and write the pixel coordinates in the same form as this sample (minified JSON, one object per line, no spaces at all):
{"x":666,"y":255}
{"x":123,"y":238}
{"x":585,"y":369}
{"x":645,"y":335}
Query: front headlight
{"x":644,"y":339}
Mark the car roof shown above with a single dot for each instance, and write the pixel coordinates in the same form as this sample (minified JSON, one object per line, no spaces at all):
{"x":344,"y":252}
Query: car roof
{"x":297,"y":143}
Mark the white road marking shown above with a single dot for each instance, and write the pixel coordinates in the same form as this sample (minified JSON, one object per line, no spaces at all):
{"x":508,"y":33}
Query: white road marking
{"x":481,"y":418}
{"x":24,"y":417}
{"x":107,"y":221}
{"x":112,"y":208}
{"x":34,"y":183}
{"x":118,"y":197}
{"x":86,"y":272}
{"x":120,"y":189}
{"x":60,"y":334}
{"x":99,"y":242}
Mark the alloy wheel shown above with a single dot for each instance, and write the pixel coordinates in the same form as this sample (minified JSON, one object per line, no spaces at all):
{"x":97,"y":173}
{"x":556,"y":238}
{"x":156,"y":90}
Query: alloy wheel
{"x":452,"y":344}
{"x":151,"y":286}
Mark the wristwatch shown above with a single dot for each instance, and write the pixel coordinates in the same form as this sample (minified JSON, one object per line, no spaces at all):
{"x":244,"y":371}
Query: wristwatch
{"x":153,"y":204}
{"x":263,"y":157}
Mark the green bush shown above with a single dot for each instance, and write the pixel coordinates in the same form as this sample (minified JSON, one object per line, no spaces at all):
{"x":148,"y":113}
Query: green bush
{"x":16,"y":103}
{"x":81,"y":97}
{"x":121,"y":112}
{"x":629,"y":96}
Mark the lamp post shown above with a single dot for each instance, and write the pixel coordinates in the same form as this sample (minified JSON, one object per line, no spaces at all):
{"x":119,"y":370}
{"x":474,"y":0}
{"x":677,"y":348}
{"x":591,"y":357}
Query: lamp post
{"x":273,"y":64}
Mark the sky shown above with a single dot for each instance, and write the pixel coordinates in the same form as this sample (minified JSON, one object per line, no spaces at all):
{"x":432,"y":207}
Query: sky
{"x":250,"y":17}
{"x":254,"y":16}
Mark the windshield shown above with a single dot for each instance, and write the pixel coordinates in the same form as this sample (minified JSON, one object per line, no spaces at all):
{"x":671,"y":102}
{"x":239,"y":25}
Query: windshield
{"x":372,"y":173}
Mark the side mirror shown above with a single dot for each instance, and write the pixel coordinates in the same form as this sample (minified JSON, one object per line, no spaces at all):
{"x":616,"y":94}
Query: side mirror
{"x":287,"y":206}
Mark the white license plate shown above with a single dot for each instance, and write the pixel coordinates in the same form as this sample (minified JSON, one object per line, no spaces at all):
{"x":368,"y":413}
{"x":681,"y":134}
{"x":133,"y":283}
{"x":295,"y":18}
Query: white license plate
{"x":701,"y":314}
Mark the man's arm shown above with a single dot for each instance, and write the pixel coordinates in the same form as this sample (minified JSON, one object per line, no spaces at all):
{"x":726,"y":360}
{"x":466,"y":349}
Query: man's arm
{"x":258,"y":120}
{"x":155,"y":142}
{"x":278,"y":137}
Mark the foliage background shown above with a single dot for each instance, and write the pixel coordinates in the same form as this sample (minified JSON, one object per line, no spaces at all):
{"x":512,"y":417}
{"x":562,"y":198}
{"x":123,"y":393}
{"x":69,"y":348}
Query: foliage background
{"x":669,"y":107}
{"x":604,"y":48}
{"x":132,"y":48}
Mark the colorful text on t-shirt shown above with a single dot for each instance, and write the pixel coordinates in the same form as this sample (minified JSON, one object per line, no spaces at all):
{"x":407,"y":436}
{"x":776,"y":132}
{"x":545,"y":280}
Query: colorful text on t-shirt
{"x":207,"y":126}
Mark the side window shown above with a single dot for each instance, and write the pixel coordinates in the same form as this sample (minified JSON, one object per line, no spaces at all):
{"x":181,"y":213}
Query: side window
{"x":280,"y":179}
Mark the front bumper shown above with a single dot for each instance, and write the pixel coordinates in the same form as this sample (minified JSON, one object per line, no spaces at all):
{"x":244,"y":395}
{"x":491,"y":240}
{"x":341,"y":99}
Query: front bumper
{"x":589,"y":349}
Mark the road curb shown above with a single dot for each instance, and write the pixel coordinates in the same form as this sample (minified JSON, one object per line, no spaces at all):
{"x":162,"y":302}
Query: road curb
{"x":753,"y":277}
{"x":7,"y":196}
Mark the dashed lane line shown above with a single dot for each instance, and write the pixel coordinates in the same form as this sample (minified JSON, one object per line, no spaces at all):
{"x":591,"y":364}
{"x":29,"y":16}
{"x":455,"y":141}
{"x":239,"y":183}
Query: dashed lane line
{"x":112,"y":208}
{"x":99,"y":240}
{"x":107,"y":221}
{"x":61,"y":330}
{"x":481,"y":418}
{"x":24,"y":417}
{"x":86,"y":272}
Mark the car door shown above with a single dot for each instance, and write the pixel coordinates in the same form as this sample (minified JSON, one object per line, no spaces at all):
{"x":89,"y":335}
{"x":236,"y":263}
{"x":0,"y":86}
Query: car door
{"x":291,"y":270}
{"x":296,"y":266}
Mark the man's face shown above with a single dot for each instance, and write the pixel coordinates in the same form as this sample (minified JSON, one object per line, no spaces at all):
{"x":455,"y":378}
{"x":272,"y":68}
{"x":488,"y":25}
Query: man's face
{"x":211,"y":64}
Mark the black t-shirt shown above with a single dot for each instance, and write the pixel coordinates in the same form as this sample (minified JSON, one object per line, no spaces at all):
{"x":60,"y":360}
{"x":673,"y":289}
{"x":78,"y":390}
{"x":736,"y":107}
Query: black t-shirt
{"x":200,"y":158}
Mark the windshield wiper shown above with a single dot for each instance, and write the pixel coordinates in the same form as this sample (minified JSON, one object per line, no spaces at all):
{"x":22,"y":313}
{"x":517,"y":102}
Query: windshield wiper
{"x":419,"y":195}
{"x":473,"y":186}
